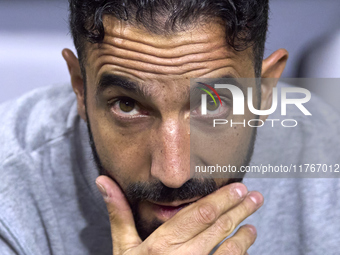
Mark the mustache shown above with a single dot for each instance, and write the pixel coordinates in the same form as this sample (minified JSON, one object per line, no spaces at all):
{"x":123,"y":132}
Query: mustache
{"x":158,"y":192}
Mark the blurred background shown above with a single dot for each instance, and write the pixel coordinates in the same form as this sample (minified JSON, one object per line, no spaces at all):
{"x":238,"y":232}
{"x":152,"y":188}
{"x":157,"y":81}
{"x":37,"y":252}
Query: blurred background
{"x":33,"y":33}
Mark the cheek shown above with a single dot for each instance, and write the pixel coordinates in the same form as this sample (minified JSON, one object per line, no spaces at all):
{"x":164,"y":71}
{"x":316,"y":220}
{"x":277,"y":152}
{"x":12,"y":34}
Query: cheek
{"x":223,"y":144}
{"x":124,"y":155}
{"x":227,"y":147}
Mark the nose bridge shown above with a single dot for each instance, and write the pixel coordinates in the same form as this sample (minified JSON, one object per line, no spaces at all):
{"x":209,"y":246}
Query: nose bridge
{"x":171,"y":157}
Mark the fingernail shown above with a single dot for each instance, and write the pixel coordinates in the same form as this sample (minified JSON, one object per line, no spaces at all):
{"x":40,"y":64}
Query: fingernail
{"x":101,"y":189}
{"x":241,"y":191}
{"x":252,"y":228}
{"x":253,"y":198}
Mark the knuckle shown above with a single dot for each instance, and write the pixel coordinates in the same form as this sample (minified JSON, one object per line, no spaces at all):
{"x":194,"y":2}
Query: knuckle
{"x":224,"y":224}
{"x":231,"y":247}
{"x":160,"y":243}
{"x":246,"y":208}
{"x":156,"y":248}
{"x":206,"y":214}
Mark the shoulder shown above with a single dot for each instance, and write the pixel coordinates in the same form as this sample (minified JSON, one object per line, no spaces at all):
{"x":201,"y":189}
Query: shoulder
{"x":314,"y":139}
{"x":34,"y":119}
{"x":29,"y":125}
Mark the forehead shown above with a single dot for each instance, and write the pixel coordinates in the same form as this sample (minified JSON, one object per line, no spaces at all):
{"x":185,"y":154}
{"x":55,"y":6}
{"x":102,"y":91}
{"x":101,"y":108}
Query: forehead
{"x":135,"y":53}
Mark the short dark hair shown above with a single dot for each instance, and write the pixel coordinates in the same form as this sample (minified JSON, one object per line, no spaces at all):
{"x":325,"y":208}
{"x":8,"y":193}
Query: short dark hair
{"x":246,"y":21}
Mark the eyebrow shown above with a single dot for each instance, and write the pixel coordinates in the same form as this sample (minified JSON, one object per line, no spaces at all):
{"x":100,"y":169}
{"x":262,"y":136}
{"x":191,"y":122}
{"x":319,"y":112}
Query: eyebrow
{"x":231,"y":79}
{"x":108,"y":80}
{"x":220,"y":80}
{"x":111,"y":80}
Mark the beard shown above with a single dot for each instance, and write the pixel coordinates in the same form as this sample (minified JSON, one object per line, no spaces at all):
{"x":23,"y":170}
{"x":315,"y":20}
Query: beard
{"x":157,"y":192}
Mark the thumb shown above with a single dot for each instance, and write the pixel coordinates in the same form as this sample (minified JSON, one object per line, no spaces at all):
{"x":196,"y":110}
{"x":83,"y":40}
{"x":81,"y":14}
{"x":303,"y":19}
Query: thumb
{"x":123,"y":230}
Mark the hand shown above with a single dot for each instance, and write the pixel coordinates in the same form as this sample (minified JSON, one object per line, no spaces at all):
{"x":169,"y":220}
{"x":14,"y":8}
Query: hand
{"x":196,"y":229}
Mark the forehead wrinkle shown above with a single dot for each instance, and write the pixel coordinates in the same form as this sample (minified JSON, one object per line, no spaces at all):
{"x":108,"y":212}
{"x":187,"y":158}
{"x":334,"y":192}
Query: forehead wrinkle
{"x":158,"y":43}
{"x":179,"y":60}
{"x":129,"y":55}
{"x":167,"y":50}
{"x":101,"y":58}
{"x":147,"y":55}
{"x":143,"y":74}
{"x":121,"y":64}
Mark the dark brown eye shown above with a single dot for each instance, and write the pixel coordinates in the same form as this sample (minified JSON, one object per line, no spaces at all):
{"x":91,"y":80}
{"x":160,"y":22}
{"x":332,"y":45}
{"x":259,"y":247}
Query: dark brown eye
{"x":211,"y":106}
{"x":127,"y":105}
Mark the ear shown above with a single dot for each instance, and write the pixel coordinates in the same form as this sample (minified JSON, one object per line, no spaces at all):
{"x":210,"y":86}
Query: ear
{"x":272,"y":67}
{"x":76,"y":80}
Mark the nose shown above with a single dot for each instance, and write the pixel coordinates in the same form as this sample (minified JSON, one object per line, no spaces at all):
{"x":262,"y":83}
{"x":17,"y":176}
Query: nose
{"x":171,"y":153}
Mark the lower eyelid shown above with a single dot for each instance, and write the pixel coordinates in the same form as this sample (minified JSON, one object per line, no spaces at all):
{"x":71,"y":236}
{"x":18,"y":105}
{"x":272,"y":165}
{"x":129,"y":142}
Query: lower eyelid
{"x":120,"y":114}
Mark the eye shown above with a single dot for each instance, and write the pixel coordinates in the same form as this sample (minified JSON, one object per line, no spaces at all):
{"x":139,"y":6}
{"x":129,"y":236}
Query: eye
{"x":214,"y":108}
{"x":126,"y":107}
{"x":212,"y":105}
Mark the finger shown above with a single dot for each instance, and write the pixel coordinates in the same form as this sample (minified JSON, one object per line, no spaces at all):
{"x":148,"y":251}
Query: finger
{"x":226,"y":223}
{"x":123,"y":230}
{"x":239,"y":243}
{"x":200,"y":215}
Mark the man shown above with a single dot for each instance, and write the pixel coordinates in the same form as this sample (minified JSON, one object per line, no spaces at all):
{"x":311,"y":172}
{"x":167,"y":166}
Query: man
{"x":132,"y":83}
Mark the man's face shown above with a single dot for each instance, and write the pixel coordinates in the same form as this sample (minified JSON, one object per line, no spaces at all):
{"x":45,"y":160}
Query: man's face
{"x":138,"y":110}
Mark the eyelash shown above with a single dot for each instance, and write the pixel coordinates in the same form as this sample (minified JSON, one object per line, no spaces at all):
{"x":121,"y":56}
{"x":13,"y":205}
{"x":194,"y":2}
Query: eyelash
{"x":120,"y":113}
{"x":144,"y":113}
{"x":225,"y":104}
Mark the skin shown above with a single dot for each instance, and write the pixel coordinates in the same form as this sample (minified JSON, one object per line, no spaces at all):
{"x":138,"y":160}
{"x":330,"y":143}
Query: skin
{"x":154,"y":142}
